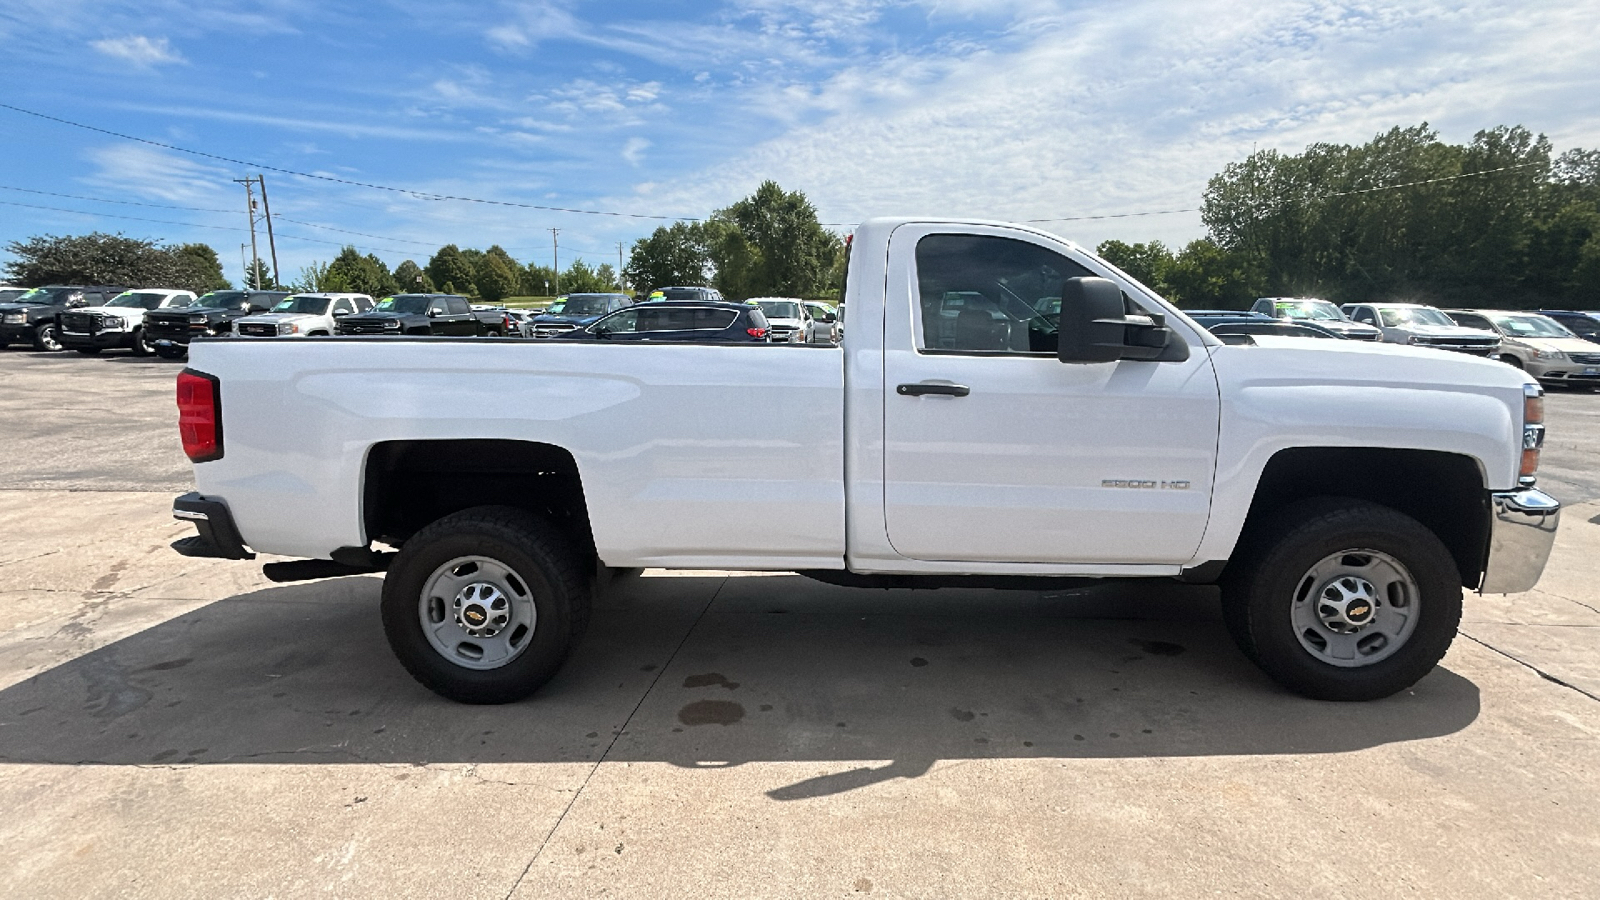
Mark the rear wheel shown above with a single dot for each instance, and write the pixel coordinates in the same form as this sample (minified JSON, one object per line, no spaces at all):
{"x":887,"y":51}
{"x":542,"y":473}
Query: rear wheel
{"x":483,"y":605}
{"x":44,"y":337}
{"x":1340,"y":599}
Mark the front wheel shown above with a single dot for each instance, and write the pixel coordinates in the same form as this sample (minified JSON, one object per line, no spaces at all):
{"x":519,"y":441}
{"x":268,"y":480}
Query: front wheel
{"x":141,"y":344}
{"x":171,"y":352}
{"x":44,"y":337}
{"x":1341,"y":599}
{"x":483,"y":605}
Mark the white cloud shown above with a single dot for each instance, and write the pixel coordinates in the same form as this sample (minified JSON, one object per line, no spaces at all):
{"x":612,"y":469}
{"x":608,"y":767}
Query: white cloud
{"x":633,"y":152}
{"x":139,"y":50}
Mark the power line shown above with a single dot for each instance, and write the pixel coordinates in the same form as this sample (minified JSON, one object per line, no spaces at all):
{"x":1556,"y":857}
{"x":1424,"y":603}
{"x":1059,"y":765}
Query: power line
{"x":293,"y":237}
{"x":6,"y":187}
{"x":423,"y":195}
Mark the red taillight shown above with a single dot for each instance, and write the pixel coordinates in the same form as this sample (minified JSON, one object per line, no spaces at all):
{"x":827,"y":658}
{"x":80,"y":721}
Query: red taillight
{"x":756,"y":332}
{"x":200,"y":415}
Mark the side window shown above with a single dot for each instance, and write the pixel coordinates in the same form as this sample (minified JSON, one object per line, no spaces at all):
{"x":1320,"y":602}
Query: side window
{"x":622,"y":322}
{"x":994,"y":294}
{"x":1471,"y":321}
{"x":1364,"y":314}
{"x":343,"y":307}
{"x":713,"y":319}
{"x":89,"y":299}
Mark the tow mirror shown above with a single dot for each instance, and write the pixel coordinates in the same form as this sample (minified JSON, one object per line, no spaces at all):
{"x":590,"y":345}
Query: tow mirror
{"x":436,"y":311}
{"x":1096,"y":327}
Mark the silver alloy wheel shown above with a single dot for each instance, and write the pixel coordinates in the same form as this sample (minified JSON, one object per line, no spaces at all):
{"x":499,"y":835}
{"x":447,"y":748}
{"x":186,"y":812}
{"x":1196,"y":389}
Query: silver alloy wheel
{"x":142,"y":345}
{"x":1355,"y":608}
{"x":47,"y":337}
{"x":477,"y":613}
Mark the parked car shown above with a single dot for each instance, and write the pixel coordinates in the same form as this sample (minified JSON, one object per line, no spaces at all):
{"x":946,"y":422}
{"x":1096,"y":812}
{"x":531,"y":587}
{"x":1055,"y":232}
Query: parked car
{"x":1226,"y":323}
{"x":1342,"y":494}
{"x":303,"y":315}
{"x":576,"y":311}
{"x":1537,"y":344}
{"x":788,"y":321}
{"x":437,"y":315}
{"x":519,"y":323}
{"x":829,"y":326}
{"x":674,"y":320}
{"x":171,"y":330}
{"x":31,"y":318}
{"x":1320,"y":313}
{"x":119,"y":323}
{"x":1585,"y":325}
{"x":1423,"y":326}
{"x":700,"y":294}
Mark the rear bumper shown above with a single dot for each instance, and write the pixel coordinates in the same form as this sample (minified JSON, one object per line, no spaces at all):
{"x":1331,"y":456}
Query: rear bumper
{"x":1520,"y":537}
{"x":218,"y":538}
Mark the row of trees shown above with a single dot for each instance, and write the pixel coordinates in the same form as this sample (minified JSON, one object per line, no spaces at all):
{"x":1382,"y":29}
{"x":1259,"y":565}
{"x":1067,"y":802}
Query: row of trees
{"x":100,"y":258}
{"x":768,"y":244}
{"x":491,"y":275}
{"x":1498,"y":222}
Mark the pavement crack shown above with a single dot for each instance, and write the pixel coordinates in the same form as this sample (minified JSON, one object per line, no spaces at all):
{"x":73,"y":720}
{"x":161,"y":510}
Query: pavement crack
{"x":615,"y":736}
{"x":27,"y":558}
{"x":1535,"y":669}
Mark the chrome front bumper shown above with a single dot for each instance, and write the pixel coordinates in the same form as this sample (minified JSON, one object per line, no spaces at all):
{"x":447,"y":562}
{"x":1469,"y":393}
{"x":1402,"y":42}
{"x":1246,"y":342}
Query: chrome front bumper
{"x":1521,"y":534}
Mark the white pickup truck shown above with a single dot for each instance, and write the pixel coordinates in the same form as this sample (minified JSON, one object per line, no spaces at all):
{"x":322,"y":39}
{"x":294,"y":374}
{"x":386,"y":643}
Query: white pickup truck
{"x":1006,"y":410}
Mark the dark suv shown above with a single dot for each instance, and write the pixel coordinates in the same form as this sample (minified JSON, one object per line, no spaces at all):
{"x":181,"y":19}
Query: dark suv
{"x":171,"y":330}
{"x":449,"y":315}
{"x":31,"y":318}
{"x":668,"y":320}
{"x":575,"y":311}
{"x":1583,"y":324}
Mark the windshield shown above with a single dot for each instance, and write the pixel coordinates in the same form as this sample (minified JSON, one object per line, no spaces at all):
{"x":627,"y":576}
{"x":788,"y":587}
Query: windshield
{"x":1318,"y":310}
{"x":146,"y":300}
{"x":1418,"y":315}
{"x":310,"y":306}
{"x":220,"y":298}
{"x":779,"y":309}
{"x":580,"y":306}
{"x":410,"y":304}
{"x":1530,"y":326}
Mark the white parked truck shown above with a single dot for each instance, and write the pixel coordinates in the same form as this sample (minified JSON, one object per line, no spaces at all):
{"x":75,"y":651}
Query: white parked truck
{"x":1341,"y":493}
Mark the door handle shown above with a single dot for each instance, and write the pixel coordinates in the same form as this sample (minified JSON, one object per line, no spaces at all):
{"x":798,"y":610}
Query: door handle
{"x":918,"y":390}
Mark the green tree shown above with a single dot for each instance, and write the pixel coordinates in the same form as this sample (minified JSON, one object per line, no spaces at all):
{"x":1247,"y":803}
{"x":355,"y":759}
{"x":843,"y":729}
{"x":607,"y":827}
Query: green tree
{"x":537,"y":281}
{"x":410,"y":278}
{"x":449,"y":267}
{"x":779,"y":248}
{"x":205,"y":268}
{"x":100,"y":258}
{"x":1208,"y":275}
{"x":361,"y":274}
{"x":495,"y":279}
{"x":1149,"y":263}
{"x":581,"y":278}
{"x":259,"y":273}
{"x":673,"y":254}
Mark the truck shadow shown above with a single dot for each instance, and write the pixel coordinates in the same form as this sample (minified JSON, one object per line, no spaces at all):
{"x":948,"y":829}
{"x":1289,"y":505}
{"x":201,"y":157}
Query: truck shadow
{"x":772,"y":669}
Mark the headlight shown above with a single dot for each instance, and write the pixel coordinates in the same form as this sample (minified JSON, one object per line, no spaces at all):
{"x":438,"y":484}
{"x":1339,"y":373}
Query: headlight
{"x":288,"y":328}
{"x":16,"y":318}
{"x":110,"y":323}
{"x":1414,"y":339}
{"x":393,"y":324}
{"x":197,"y":320}
{"x":1554,"y":355}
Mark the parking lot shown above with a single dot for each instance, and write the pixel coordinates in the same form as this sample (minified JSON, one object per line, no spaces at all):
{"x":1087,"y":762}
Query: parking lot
{"x":180,"y":727}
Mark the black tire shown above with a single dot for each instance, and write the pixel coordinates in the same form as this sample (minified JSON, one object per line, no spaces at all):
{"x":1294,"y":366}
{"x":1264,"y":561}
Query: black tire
{"x":539,"y":555}
{"x":89,"y":351}
{"x":44,"y":337}
{"x":1512,"y":361}
{"x":1269,"y":575}
{"x":140,"y":346}
{"x":171,"y":352}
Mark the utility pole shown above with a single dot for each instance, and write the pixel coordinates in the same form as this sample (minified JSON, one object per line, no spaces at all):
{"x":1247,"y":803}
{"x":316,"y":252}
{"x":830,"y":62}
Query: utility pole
{"x":245,"y":266}
{"x":555,"y":249}
{"x":620,"y":282}
{"x":272,"y":245}
{"x":252,"y":272}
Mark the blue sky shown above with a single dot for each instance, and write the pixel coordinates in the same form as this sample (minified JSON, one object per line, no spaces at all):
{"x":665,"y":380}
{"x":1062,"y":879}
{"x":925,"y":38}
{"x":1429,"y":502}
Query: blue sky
{"x":1008,"y":109}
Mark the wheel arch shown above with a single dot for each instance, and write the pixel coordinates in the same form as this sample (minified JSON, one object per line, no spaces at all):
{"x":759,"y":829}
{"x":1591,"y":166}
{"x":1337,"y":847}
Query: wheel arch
{"x":408,"y":484}
{"x":1446,"y":492}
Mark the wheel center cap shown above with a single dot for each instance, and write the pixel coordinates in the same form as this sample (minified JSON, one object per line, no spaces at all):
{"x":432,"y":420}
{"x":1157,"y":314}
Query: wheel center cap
{"x":1347,"y":604}
{"x":481,"y":609}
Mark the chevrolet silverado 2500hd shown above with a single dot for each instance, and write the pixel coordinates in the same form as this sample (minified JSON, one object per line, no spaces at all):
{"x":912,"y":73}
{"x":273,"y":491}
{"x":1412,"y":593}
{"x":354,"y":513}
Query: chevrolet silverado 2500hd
{"x":1055,"y":420}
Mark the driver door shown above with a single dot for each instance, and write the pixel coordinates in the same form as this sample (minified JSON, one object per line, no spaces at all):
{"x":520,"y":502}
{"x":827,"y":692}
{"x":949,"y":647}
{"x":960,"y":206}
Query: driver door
{"x":995,"y":451}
